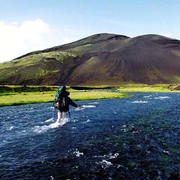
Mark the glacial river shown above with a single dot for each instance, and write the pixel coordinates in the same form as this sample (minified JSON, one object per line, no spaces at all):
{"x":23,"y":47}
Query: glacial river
{"x":130,"y":138}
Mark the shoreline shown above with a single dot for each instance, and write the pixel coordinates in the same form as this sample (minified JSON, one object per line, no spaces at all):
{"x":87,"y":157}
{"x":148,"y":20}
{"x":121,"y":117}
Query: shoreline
{"x":20,"y":98}
{"x":19,"y":95}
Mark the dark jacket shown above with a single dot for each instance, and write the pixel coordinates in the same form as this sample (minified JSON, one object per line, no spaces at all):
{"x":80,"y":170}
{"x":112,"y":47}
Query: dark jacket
{"x":65,"y":101}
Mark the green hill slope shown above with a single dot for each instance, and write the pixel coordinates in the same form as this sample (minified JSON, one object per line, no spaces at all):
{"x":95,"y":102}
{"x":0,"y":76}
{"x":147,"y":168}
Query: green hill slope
{"x":101,"y":59}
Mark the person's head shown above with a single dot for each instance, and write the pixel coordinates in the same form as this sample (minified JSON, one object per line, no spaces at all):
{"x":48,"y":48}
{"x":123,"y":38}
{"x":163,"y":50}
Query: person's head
{"x":63,"y":88}
{"x":62,"y":91}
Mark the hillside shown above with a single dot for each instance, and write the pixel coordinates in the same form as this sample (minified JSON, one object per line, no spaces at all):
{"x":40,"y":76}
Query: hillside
{"x":101,"y":59}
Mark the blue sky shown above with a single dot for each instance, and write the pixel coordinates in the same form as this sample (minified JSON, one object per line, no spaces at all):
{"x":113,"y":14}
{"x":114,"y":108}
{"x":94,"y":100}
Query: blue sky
{"x":28,"y":25}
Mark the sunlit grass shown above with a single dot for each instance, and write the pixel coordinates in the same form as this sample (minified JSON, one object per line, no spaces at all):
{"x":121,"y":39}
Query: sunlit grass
{"x":96,"y":95}
{"x":147,"y":88}
{"x":35,"y":94}
{"x":14,"y":98}
{"x":25,"y":98}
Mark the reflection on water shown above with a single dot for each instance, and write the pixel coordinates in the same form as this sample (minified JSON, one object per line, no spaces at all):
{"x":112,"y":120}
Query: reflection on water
{"x":132,"y":138}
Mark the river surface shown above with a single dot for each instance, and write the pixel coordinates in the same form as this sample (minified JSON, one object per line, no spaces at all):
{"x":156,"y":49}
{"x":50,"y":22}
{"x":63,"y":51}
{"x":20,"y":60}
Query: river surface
{"x":130,"y":138}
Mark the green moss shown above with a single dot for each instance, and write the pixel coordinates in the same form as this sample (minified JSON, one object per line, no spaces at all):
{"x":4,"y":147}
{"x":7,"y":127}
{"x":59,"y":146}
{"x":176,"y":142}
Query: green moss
{"x":32,"y":94}
{"x":147,"y":88}
{"x":10,"y":95}
{"x":33,"y":67}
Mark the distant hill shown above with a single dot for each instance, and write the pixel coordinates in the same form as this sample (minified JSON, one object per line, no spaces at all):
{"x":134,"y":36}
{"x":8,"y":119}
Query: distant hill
{"x":100,"y":59}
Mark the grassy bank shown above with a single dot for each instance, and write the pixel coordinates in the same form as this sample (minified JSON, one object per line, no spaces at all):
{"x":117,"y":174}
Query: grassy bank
{"x":150,"y":88}
{"x":15,"y":95}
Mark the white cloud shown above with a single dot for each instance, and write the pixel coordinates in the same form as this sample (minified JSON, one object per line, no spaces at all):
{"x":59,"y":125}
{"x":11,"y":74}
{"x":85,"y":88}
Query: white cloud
{"x":17,"y":39}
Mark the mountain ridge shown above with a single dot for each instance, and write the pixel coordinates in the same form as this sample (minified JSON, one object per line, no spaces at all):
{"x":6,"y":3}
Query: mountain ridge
{"x":99,"y":59}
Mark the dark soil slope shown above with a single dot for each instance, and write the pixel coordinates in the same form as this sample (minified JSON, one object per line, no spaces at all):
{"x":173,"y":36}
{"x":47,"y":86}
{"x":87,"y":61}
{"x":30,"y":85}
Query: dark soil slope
{"x":101,"y":59}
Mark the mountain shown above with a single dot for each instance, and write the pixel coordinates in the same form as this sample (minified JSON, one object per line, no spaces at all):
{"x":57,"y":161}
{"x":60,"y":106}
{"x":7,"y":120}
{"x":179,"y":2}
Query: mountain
{"x":100,"y":59}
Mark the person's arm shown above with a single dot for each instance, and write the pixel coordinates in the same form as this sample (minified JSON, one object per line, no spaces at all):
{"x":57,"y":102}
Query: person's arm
{"x":72,"y":103}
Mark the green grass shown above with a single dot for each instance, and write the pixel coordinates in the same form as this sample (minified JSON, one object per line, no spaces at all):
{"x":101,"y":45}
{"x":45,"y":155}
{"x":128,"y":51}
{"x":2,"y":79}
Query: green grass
{"x":34,"y":58}
{"x":25,"y":98}
{"x":96,"y":95}
{"x":148,"y":88}
{"x":33,"y":67}
{"x":15,"y":95}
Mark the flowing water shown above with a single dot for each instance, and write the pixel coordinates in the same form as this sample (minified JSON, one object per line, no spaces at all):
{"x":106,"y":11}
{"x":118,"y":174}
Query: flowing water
{"x":131,"y":138}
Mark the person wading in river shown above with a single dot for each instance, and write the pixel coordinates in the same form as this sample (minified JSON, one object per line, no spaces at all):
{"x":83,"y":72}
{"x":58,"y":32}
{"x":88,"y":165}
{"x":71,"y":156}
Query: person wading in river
{"x":62,"y":102}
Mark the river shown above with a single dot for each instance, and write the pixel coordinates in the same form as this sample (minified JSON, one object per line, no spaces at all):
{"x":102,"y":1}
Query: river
{"x":129,"y":138}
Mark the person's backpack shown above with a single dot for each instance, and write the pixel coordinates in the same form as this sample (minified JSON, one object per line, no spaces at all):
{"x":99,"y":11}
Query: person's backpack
{"x":60,"y":100}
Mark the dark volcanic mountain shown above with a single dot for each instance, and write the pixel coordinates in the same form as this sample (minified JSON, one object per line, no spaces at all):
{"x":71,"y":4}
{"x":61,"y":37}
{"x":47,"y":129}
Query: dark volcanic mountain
{"x":101,"y":59}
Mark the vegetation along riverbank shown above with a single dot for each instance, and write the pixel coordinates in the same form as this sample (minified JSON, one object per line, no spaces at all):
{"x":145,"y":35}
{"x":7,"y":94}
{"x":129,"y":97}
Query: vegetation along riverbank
{"x":16,"y":95}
